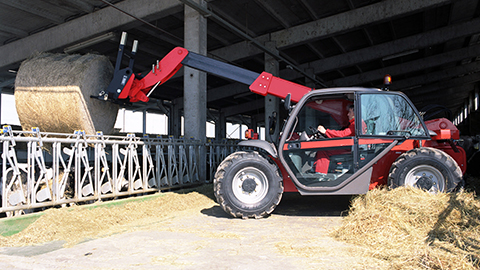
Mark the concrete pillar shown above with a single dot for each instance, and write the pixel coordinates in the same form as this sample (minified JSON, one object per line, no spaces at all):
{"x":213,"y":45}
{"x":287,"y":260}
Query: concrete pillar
{"x":195,"y":82}
{"x":220,"y":127}
{"x":272,"y":104}
{"x":1,"y":105}
{"x":144,"y":120}
{"x":175,"y":121}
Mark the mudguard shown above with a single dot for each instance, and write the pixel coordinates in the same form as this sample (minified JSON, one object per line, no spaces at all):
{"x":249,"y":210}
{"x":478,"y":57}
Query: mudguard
{"x":267,"y":146}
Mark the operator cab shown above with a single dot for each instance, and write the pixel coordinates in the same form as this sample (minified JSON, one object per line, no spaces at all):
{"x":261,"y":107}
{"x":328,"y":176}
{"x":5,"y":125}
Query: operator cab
{"x":317,"y":162}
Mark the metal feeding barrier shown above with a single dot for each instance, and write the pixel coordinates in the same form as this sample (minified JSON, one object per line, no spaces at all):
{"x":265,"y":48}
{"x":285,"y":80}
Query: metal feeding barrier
{"x":50,"y":169}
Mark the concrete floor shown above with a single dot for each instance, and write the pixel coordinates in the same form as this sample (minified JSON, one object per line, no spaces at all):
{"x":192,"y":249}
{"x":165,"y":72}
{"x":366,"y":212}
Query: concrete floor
{"x":296,"y":236}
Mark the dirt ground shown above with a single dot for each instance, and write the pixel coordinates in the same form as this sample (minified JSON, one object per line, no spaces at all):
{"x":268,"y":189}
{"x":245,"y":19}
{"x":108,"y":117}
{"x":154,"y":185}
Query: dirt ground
{"x":295,"y":236}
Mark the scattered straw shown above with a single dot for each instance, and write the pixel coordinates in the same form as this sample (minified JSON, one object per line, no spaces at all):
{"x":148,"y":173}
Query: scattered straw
{"x":76,"y":224}
{"x":412,"y":229}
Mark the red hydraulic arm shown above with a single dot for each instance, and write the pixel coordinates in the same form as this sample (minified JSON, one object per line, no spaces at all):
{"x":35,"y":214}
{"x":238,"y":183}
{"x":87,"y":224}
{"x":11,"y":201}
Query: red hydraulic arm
{"x":126,"y":85}
{"x":140,"y":89}
{"x":266,"y":83}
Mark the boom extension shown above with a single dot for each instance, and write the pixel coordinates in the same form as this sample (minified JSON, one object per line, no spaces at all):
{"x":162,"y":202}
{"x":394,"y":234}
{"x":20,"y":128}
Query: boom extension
{"x":126,"y":85}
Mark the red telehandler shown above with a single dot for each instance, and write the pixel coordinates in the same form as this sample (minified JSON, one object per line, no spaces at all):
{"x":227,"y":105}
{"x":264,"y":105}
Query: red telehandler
{"x":392,"y":144}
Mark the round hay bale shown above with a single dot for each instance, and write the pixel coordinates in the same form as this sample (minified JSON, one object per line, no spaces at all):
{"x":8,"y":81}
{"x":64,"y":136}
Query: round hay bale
{"x":52,"y":92}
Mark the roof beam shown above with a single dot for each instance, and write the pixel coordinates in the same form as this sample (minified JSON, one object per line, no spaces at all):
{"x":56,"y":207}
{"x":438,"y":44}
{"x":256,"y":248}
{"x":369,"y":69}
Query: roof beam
{"x":274,"y":12}
{"x":448,"y":99}
{"x":416,"y":65}
{"x":83,"y":28}
{"x":419,"y":41}
{"x":444,"y":98}
{"x":426,"y":91}
{"x":13,"y":30}
{"x":437,"y":76}
{"x":231,"y":20}
{"x":31,"y":8}
{"x":329,"y":26}
{"x":82,"y":5}
{"x":308,"y":8}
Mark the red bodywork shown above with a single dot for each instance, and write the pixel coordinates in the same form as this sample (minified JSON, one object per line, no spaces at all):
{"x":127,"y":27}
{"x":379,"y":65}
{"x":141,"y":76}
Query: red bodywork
{"x":138,"y":89}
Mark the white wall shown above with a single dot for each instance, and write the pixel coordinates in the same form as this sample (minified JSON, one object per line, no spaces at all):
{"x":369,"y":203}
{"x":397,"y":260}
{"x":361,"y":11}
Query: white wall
{"x":129,"y":121}
{"x":9,"y":112}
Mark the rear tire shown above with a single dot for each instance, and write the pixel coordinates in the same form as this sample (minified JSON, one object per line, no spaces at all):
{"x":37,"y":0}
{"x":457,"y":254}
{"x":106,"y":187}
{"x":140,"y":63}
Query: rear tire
{"x":247,"y":185}
{"x":426,"y":168}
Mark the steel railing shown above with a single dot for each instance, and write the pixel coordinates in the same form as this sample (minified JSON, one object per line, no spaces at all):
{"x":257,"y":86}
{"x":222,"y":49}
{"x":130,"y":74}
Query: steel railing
{"x":48,"y":169}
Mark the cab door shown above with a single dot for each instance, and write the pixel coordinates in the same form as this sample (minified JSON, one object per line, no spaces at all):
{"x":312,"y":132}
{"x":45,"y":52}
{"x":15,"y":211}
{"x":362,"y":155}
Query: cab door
{"x":315,"y":163}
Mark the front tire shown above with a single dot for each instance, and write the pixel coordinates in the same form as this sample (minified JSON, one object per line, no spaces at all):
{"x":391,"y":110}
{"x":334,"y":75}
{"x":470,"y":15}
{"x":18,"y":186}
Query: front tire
{"x":426,"y":168}
{"x":247,"y":185}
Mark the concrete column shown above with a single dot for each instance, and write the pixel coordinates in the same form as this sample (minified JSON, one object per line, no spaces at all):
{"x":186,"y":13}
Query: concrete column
{"x":220,"y":127}
{"x":175,"y":120}
{"x":144,"y":120}
{"x":1,"y":105}
{"x":195,"y":82}
{"x":272,"y":104}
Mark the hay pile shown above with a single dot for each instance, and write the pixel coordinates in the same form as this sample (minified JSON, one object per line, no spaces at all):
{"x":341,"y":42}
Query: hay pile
{"x":76,"y":224}
{"x":52,"y":92}
{"x":412,"y":229}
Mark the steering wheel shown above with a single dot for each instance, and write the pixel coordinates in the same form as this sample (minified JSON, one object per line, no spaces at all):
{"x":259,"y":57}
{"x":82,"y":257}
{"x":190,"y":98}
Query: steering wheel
{"x":316,"y":134}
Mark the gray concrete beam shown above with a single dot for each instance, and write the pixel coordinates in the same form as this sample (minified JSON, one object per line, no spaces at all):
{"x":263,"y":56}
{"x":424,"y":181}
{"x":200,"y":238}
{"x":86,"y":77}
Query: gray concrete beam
{"x":419,"y":41}
{"x":412,"y":66}
{"x":32,"y":8}
{"x":308,"y":9}
{"x":448,"y":94}
{"x":329,"y":26}
{"x":436,"y":60}
{"x":449,"y":99}
{"x":276,"y":11}
{"x":154,"y":33}
{"x":461,"y":11}
{"x":12,"y":30}
{"x":437,"y":76}
{"x":428,"y":91}
{"x":80,"y":4}
{"x":231,"y":20}
{"x":83,"y":28}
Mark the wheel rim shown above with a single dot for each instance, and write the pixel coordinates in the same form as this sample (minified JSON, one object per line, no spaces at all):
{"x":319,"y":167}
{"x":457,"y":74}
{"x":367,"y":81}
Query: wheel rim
{"x":250,"y":185}
{"x":426,"y":177}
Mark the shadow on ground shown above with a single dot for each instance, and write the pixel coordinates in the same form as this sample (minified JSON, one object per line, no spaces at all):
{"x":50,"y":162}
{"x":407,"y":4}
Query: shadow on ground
{"x":294,"y":204}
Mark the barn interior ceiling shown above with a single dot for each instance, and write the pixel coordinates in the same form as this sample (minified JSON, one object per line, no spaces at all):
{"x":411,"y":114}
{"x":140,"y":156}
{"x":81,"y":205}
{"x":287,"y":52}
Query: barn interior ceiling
{"x":430,"y":48}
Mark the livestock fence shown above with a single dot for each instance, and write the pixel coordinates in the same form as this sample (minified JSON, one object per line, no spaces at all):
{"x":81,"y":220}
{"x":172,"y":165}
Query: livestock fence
{"x":54,"y":169}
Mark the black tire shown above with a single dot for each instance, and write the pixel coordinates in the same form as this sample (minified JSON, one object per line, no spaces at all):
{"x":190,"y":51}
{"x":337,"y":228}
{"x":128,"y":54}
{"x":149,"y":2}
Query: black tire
{"x":426,"y":168}
{"x":247,"y":185}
